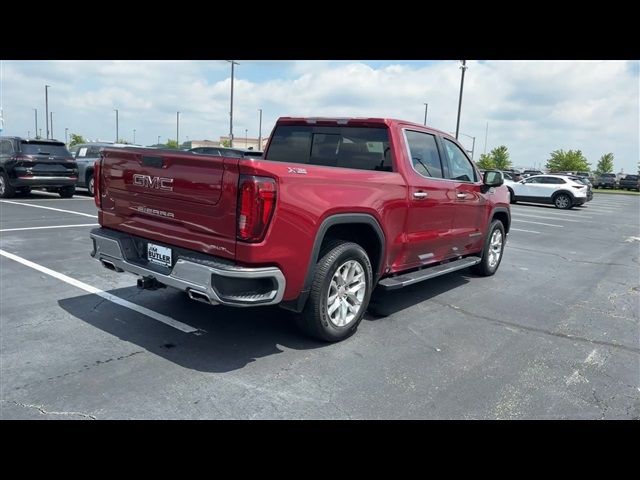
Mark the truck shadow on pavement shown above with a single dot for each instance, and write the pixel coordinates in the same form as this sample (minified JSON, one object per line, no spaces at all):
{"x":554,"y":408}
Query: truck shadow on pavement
{"x":228,"y":338}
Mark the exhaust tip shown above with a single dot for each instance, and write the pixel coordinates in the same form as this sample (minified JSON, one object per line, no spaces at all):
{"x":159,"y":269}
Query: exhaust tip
{"x":110,"y":266}
{"x":199,"y":296}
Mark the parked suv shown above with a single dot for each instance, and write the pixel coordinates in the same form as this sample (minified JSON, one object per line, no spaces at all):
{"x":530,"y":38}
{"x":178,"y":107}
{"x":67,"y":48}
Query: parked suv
{"x":562,"y":191}
{"x":606,"y":180}
{"x":630,"y":182}
{"x":27,"y":164}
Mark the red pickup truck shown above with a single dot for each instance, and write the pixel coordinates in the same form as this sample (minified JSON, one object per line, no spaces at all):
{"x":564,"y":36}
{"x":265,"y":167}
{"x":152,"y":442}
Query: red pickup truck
{"x":336,"y":207}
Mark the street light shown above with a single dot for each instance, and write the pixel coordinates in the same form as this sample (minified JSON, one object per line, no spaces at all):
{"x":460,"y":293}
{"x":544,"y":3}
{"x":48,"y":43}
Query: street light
{"x":46,"y":106}
{"x":36,"y":130}
{"x":246,"y":137}
{"x":158,"y":140}
{"x":233,"y":63}
{"x":116,"y":110}
{"x":51,"y":125}
{"x":473,"y":146}
{"x":134,"y":135}
{"x":178,"y":130}
{"x":260,"y":131}
{"x":463,"y":67}
{"x":426,"y":107}
{"x":65,"y":136}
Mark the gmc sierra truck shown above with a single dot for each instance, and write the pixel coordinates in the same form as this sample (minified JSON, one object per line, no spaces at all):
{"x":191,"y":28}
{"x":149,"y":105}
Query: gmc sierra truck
{"x":337,"y":207}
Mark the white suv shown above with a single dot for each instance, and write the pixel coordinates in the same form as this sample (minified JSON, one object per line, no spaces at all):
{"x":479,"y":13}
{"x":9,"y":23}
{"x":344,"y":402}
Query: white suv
{"x":559,"y":190}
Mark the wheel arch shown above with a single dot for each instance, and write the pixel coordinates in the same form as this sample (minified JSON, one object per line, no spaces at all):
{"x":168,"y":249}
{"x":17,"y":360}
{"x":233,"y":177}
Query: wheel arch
{"x":504,"y":215}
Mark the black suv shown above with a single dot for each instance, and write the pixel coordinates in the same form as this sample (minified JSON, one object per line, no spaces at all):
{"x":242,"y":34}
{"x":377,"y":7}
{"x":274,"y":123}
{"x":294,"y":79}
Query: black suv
{"x":630,"y":182}
{"x":27,"y":164}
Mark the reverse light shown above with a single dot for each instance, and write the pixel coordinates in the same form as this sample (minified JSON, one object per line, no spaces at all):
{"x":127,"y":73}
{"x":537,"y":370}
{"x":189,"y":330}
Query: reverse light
{"x":256,"y":203}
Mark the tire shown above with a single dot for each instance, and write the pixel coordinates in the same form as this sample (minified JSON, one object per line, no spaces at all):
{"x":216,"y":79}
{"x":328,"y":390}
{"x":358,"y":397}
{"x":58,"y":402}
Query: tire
{"x":25,"y":190}
{"x":512,"y":197}
{"x":6,"y":190}
{"x":563,"y":201}
{"x":315,"y":320}
{"x":489,"y":264}
{"x":67,"y":192}
{"x":90,"y":185}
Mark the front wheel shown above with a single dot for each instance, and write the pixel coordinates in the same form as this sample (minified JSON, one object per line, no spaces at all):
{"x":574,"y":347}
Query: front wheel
{"x":90,"y":185}
{"x":492,"y":251}
{"x":563,"y":201}
{"x":67,"y":192}
{"x":340,"y":292}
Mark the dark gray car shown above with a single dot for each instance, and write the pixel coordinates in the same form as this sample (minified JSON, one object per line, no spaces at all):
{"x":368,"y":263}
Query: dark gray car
{"x":86,"y":154}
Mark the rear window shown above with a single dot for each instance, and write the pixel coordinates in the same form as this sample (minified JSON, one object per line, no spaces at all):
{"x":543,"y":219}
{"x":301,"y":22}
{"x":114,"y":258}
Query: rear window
{"x":343,"y":147}
{"x":53,"y":149}
{"x":608,"y":175}
{"x":631,"y":177}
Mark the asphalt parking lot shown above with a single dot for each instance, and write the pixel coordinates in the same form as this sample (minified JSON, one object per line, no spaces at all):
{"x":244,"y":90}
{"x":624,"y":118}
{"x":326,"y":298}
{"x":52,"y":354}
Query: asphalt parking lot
{"x":553,"y":335}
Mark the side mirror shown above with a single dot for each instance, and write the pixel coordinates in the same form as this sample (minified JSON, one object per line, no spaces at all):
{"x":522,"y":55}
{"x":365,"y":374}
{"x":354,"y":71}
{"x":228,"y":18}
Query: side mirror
{"x":493,"y":178}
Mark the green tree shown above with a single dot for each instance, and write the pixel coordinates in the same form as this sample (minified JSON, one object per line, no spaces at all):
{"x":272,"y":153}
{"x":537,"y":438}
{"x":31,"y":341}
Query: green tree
{"x":486,"y":162}
{"x":571,"y":160}
{"x":76,"y":139}
{"x":605,"y":164}
{"x":500,"y":156}
{"x":225,"y":143}
{"x":171,"y":144}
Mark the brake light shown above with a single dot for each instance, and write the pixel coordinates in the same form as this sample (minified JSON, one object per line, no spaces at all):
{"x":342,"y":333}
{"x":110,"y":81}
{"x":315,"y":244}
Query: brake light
{"x":578,"y":186}
{"x":256,"y":203}
{"x":97,"y":182}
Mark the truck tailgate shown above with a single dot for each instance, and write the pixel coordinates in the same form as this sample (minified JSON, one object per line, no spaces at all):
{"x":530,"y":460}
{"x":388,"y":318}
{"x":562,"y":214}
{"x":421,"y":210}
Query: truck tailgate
{"x":176,"y":198}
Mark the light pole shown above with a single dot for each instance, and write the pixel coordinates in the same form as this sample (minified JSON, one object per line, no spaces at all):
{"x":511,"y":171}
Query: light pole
{"x":426,"y":107}
{"x":463,"y":67}
{"x":158,"y":139}
{"x":36,"y":130}
{"x":28,"y":133}
{"x":178,"y":130}
{"x":40,"y":133}
{"x":260,"y":131}
{"x":486,"y":133}
{"x":116,"y":110}
{"x":246,"y":137}
{"x":233,"y":63}
{"x":46,"y":106}
{"x":65,"y":136}
{"x":51,"y":125}
{"x":473,"y":146}
{"x":134,"y":135}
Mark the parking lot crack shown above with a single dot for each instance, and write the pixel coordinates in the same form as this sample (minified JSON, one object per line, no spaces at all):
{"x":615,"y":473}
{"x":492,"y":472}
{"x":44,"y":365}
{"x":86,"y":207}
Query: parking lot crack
{"x":540,"y":330}
{"x":44,"y":412}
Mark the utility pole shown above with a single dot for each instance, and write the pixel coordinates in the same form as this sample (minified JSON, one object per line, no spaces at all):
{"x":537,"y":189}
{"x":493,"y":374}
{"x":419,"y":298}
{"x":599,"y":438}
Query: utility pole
{"x":134,"y":135}
{"x":233,"y":63}
{"x":463,"y":67}
{"x":246,"y":137}
{"x":36,"y":130}
{"x":28,"y":133}
{"x":158,"y":140}
{"x":178,"y":130}
{"x":260,"y":131}
{"x":46,"y":106}
{"x":66,"y":141}
{"x":116,"y":110}
{"x":51,"y":125}
{"x":486,"y":133}
{"x":426,"y":107}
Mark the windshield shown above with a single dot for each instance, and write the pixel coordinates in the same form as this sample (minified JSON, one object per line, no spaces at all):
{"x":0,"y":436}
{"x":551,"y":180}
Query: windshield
{"x":52,"y":149}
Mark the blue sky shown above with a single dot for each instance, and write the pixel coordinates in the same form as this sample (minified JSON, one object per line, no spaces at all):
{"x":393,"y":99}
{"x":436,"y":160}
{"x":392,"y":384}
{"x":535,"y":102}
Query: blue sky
{"x":532,"y":107}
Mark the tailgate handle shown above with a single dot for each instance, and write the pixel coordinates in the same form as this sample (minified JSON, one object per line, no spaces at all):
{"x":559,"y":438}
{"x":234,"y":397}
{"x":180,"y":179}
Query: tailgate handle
{"x":156,"y":162}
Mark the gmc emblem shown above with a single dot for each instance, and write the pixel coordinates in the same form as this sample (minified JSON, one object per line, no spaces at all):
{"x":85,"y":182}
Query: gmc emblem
{"x":159,"y":183}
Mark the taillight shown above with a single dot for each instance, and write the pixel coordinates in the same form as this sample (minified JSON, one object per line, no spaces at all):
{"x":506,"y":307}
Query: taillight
{"x":256,"y":203}
{"x":97,"y":182}
{"x":578,"y":186}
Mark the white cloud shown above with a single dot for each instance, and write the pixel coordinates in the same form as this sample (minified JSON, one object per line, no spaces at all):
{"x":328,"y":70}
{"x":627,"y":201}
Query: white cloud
{"x":533,"y":107}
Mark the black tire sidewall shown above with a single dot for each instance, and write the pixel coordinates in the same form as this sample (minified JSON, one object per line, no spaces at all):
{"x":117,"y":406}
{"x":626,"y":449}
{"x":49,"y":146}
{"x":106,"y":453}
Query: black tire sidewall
{"x":9,"y":191}
{"x":351,"y":252}
{"x":89,"y":187}
{"x":496,"y":224}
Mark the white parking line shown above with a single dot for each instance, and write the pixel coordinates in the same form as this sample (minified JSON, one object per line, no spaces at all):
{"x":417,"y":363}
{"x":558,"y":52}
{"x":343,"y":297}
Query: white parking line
{"x":49,"y":208}
{"x":101,"y":293}
{"x":537,"y":223}
{"x":521,"y":230}
{"x":552,"y":218}
{"x":553,"y":212}
{"x":50,"y":226}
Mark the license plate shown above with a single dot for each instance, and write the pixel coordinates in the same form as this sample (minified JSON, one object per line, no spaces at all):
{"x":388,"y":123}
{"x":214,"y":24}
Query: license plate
{"x":159,"y":255}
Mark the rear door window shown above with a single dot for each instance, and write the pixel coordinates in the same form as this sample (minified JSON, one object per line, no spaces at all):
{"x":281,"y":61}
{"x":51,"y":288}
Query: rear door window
{"x":362,"y":148}
{"x":424,"y":154}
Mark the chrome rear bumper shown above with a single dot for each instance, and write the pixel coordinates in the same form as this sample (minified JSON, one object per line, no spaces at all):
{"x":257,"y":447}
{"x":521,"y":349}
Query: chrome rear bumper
{"x":205,"y":279}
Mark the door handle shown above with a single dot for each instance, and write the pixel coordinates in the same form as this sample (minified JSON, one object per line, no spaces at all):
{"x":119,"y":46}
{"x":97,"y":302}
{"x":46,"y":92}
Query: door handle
{"x":461,"y":195}
{"x":420,"y":195}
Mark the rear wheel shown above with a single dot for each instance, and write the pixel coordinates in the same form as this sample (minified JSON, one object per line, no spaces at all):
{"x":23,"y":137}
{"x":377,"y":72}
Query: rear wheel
{"x":492,"y":251}
{"x":90,"y":185}
{"x":340,"y":292}
{"x":563,"y":201}
{"x":67,"y":192}
{"x":6,"y":190}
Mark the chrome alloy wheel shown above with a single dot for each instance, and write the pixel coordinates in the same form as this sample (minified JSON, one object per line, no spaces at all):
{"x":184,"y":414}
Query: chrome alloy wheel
{"x":2,"y":187}
{"x":495,"y":248}
{"x":562,"y":201}
{"x":346,"y":293}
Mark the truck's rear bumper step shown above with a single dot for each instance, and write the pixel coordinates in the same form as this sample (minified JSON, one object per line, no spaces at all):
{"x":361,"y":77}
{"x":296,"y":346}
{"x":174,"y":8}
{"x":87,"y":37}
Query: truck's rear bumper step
{"x":392,"y":283}
{"x":203,"y":279}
